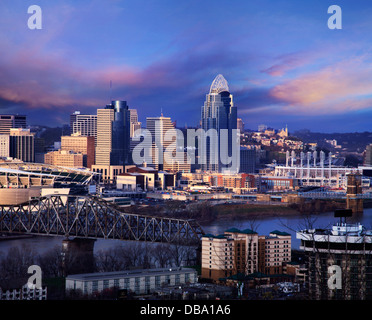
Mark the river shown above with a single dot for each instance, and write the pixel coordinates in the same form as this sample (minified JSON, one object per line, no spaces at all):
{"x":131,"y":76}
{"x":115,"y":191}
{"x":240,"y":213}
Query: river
{"x":263,"y":226}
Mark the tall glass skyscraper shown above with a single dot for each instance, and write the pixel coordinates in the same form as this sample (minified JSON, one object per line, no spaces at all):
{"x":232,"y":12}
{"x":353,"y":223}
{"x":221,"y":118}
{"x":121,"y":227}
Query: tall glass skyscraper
{"x":113,"y":134}
{"x":220,"y":114}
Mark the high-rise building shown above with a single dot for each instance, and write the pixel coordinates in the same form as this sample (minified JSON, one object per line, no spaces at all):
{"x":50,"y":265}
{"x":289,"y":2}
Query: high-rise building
{"x":368,"y":156}
{"x":220,"y":114}
{"x":83,"y":124}
{"x":4,"y":145}
{"x":8,"y":121}
{"x":240,"y":125}
{"x":134,"y":124}
{"x":80,"y":144}
{"x":113,"y":134}
{"x":21,"y":144}
{"x":158,"y":127}
{"x":247,"y":160}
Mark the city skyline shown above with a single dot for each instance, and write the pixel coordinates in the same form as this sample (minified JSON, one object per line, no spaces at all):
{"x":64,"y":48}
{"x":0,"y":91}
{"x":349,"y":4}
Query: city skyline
{"x":283,"y":64}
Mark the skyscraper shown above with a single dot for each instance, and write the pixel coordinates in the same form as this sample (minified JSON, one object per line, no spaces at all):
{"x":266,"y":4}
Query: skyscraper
{"x":84,"y":124}
{"x":158,"y":126}
{"x":8,"y":121}
{"x":113,"y":134}
{"x":220,"y":114}
{"x":21,"y":144}
{"x":134,"y":124}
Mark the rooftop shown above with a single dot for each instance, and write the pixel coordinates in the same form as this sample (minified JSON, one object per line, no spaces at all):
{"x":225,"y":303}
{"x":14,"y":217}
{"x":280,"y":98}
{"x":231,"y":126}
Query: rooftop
{"x":126,"y":273}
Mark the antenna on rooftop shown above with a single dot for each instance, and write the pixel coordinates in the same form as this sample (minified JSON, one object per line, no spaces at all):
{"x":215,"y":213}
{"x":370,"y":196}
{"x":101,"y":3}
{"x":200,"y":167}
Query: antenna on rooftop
{"x":110,"y":90}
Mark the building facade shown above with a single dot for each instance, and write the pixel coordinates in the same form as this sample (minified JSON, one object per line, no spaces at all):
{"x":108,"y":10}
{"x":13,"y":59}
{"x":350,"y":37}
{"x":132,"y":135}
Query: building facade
{"x":21,"y":144}
{"x":83,"y":124}
{"x":219,"y":113}
{"x":138,"y":281}
{"x":113,"y":134}
{"x":346,"y":249}
{"x":80,"y":144}
{"x":63,"y":158}
{"x":8,"y":121}
{"x":244,"y":252}
{"x":274,"y":252}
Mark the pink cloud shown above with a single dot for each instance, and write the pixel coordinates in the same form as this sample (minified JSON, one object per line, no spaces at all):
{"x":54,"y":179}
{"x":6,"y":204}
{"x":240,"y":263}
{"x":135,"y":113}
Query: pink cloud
{"x":336,"y":88}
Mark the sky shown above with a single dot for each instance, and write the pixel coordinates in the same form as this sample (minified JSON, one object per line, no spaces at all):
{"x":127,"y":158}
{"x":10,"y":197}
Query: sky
{"x":283,"y":64}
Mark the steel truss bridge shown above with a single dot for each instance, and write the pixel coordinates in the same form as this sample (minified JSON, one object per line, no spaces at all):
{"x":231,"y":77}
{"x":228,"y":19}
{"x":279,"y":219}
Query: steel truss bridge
{"x":93,"y":218}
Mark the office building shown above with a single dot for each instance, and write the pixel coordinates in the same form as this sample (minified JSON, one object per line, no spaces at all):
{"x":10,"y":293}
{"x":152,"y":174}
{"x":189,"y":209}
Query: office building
{"x":345,"y":249}
{"x":220,"y":114}
{"x":368,"y":156}
{"x":4,"y":145}
{"x":21,"y":144}
{"x":240,"y":125}
{"x":158,"y":127}
{"x":137,"y":281}
{"x":134,"y":124}
{"x":108,"y":173}
{"x":8,"y":121}
{"x":80,"y":144}
{"x":247,"y":160}
{"x":113,"y":134}
{"x":83,"y":124}
{"x":63,"y":158}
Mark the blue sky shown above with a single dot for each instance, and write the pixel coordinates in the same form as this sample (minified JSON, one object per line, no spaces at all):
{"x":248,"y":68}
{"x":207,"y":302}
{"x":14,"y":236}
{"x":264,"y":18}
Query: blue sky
{"x":284,"y":66}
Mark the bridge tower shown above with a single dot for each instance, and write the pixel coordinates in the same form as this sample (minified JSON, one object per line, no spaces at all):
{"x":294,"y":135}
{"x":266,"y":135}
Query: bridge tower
{"x":354,"y":189}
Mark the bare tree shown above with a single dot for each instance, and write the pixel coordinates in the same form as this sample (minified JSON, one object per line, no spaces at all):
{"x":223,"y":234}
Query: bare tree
{"x":51,"y":262}
{"x":109,"y":260}
{"x":162,"y":255}
{"x":17,"y":261}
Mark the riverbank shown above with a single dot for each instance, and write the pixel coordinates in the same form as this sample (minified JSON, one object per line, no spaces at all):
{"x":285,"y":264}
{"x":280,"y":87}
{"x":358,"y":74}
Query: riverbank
{"x":205,"y":212}
{"x":253,"y":211}
{"x":243,"y":211}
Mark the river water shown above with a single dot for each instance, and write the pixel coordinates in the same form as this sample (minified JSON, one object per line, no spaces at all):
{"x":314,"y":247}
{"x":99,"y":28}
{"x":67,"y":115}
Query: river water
{"x":263,"y":226}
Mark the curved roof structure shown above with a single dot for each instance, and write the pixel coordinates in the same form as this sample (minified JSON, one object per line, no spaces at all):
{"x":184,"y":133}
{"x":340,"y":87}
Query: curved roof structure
{"x":58,"y":174}
{"x":219,"y":85}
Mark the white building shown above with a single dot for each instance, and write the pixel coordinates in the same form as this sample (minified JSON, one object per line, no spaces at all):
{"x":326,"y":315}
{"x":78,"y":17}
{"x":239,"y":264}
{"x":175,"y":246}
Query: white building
{"x":142,"y":281}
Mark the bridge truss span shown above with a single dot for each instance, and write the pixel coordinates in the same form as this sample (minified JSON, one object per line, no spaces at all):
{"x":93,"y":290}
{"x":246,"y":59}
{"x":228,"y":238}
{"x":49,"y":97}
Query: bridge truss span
{"x":93,"y":218}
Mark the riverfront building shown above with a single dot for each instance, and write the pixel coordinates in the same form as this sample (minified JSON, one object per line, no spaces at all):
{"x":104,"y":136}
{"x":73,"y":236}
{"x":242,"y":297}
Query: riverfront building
{"x":347,"y":246}
{"x":244,"y":252}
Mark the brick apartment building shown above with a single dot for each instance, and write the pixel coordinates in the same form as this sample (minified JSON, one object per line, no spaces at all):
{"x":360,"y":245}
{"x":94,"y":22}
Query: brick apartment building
{"x":244,"y":251}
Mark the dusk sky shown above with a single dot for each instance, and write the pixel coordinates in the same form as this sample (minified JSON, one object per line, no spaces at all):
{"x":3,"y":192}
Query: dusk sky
{"x":283,"y":64}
